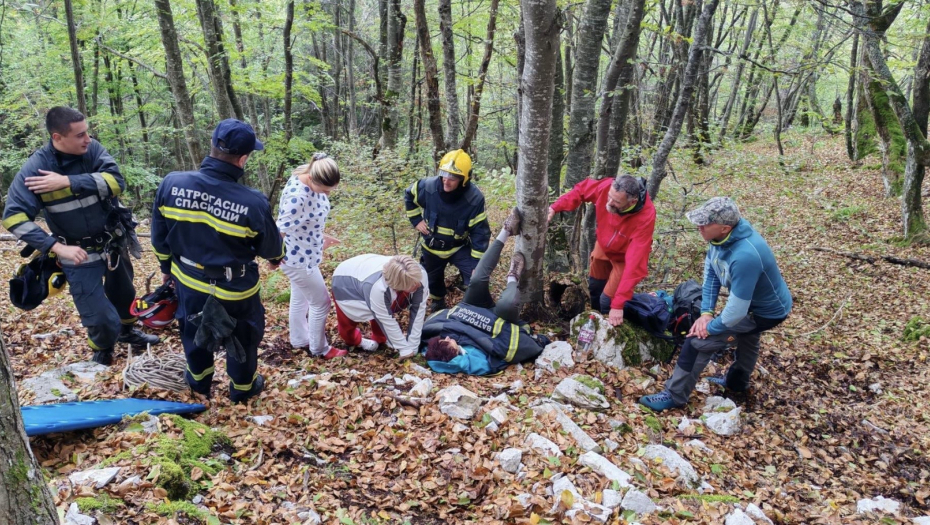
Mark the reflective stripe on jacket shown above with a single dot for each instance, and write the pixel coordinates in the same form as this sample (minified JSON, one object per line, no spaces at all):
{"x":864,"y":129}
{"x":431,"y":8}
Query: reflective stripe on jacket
{"x":77,"y":212}
{"x":453,"y":224}
{"x":504,"y":343}
{"x":207,"y":218}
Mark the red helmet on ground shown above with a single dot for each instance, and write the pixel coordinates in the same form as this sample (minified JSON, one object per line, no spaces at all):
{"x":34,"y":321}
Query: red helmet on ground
{"x":156,"y":309}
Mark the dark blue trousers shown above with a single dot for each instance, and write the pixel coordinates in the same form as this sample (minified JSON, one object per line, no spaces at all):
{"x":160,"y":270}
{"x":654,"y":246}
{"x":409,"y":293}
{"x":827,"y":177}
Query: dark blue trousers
{"x":436,"y":269}
{"x":250,"y":328}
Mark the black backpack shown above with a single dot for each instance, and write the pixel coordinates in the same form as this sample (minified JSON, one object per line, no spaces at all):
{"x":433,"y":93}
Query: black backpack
{"x":650,"y":312}
{"x":686,"y":309}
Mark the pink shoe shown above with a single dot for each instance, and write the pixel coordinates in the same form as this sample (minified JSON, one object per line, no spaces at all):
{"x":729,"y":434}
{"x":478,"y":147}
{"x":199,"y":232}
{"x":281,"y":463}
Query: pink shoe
{"x":334,"y":353}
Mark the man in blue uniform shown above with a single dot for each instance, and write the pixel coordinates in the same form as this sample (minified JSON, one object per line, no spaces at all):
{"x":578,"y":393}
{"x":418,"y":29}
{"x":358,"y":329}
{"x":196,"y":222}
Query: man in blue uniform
{"x":448,"y":211}
{"x":76,"y":182}
{"x":207,"y":230}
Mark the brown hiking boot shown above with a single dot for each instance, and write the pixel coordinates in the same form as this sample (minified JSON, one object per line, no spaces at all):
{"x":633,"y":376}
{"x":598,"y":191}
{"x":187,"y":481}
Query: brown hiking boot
{"x":513,"y":222}
{"x":517,"y":264}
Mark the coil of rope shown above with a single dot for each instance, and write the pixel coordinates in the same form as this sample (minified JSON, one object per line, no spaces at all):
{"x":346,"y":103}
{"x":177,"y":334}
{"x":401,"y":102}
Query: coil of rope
{"x":165,"y":371}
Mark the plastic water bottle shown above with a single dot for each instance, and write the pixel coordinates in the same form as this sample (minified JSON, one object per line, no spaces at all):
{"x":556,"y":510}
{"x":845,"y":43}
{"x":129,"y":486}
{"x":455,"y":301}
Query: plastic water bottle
{"x":586,"y":337}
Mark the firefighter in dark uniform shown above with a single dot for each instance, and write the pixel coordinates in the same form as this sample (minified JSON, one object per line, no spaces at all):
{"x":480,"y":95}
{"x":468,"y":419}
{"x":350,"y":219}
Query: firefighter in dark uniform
{"x":207,"y":230}
{"x":448,"y":211}
{"x":76,"y":182}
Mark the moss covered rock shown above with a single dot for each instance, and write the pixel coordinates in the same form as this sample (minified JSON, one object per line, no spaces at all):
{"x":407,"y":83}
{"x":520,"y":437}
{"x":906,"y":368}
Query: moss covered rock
{"x":624,"y":345}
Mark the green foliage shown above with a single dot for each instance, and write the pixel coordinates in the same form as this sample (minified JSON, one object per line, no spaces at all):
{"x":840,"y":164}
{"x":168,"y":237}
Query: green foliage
{"x":102,"y":502}
{"x":847,"y":212}
{"x":710,"y":498}
{"x":591,"y":383}
{"x":916,"y":328}
{"x":175,"y":509}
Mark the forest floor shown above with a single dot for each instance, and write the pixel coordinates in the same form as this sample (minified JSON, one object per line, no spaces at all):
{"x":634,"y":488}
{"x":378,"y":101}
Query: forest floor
{"x":839,"y":414}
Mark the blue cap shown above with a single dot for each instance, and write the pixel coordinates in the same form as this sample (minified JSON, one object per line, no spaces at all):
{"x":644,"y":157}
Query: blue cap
{"x":238,"y":137}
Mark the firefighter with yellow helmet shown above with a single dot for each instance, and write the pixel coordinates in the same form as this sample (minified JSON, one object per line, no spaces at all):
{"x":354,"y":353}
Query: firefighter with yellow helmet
{"x":448,"y":211}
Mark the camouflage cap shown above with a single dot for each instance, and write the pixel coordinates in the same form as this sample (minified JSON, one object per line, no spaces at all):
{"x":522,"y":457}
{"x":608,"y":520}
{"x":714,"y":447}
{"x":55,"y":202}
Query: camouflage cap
{"x":718,"y":210}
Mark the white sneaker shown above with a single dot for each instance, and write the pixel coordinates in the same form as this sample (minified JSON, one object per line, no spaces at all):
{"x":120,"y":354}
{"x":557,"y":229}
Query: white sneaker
{"x":368,"y":345}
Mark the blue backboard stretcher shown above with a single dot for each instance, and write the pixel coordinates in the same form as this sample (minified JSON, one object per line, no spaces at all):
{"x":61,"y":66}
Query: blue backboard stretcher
{"x":64,"y":417}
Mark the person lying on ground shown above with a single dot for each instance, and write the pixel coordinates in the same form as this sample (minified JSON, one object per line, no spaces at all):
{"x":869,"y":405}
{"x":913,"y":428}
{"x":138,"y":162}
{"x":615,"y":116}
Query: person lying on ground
{"x":480,"y":336}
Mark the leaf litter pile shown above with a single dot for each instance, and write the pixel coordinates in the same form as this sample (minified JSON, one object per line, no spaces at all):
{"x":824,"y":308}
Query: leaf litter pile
{"x":838,"y":410}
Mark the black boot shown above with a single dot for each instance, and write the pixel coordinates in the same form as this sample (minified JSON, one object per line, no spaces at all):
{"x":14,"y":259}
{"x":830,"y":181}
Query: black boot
{"x":104,"y":357}
{"x":238,"y":396}
{"x":133,"y":336}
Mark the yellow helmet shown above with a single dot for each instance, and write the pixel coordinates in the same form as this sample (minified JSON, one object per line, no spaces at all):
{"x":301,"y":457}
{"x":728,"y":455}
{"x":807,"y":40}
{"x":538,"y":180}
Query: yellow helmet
{"x":457,"y":163}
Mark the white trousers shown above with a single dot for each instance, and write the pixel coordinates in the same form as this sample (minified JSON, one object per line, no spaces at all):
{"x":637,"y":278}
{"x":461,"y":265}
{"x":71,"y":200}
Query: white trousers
{"x":310,"y":306}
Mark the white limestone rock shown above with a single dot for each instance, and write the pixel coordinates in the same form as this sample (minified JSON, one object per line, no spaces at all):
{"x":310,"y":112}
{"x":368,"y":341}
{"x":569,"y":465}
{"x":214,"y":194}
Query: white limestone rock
{"x":686,"y":423}
{"x":738,"y":517}
{"x":422,"y":388}
{"x":718,"y":404}
{"x":674,"y":462}
{"x":608,"y":348}
{"x":310,"y":517}
{"x":459,"y":402}
{"x":386,"y":378}
{"x":591,"y":511}
{"x":700,"y":445}
{"x":499,"y":415}
{"x":98,"y":477}
{"x":604,"y":467}
{"x":555,"y":355}
{"x":724,"y":424}
{"x":293,"y":383}
{"x":85,"y":371}
{"x":516,"y":386}
{"x":878,"y":504}
{"x":923,"y":520}
{"x":542,"y":446}
{"x":611,"y":445}
{"x":260,"y":420}
{"x":576,"y":391}
{"x":74,"y":517}
{"x":525,"y":500}
{"x":47,"y":388}
{"x":561,"y":483}
{"x":576,"y":432}
{"x":458,"y":428}
{"x":510,"y":459}
{"x":420,"y":370}
{"x":638,"y":502}
{"x":129,"y":483}
{"x":611,"y":498}
{"x":754,"y":512}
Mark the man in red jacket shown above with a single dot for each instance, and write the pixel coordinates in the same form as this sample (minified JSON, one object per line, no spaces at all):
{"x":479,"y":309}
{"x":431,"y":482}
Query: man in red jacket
{"x":626,"y":220}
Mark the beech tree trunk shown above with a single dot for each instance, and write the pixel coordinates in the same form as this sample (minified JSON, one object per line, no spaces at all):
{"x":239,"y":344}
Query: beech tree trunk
{"x":581,"y":121}
{"x":433,"y":105}
{"x":915,"y":225}
{"x":24,"y":496}
{"x":453,"y":118}
{"x":174,"y":69}
{"x":76,"y":59}
{"x":734,"y":91}
{"x":390,"y":118}
{"x":617,"y":90}
{"x":541,"y":24}
{"x":472,"y":126}
{"x":684,"y":100}
{"x":218,"y":61}
{"x":288,"y":96}
{"x":872,"y":26}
